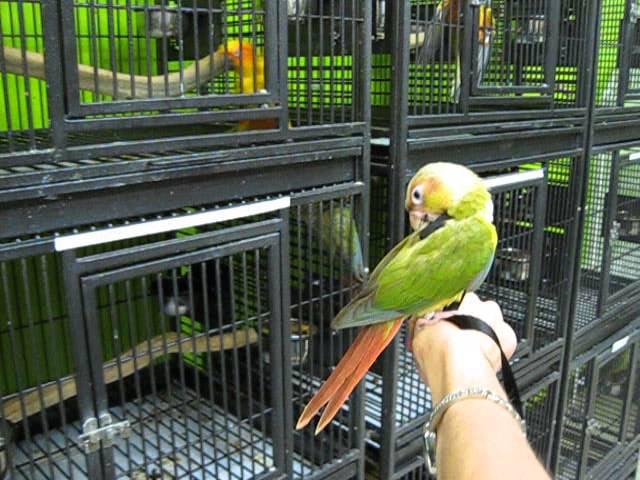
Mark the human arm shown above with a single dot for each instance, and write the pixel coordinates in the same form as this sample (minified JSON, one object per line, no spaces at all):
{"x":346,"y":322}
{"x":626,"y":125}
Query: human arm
{"x":476,"y":438}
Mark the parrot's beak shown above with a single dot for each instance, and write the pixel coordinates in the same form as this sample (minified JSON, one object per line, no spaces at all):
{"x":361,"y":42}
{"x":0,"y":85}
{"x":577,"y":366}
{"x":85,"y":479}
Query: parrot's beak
{"x":416,"y":218}
{"x":420,"y":218}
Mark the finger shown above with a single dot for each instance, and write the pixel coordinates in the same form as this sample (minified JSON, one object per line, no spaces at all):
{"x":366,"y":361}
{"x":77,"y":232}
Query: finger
{"x":469,"y":301}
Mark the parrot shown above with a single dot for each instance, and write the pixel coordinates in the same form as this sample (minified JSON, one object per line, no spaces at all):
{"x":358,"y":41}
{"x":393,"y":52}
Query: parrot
{"x":448,"y":15}
{"x":249,"y":66}
{"x":339,"y":233}
{"x":449,"y":253}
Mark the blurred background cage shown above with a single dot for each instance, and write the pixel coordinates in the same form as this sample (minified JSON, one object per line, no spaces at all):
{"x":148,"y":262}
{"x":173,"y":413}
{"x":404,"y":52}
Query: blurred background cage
{"x":186,"y":341}
{"x":601,"y":422}
{"x":535,"y":208}
{"x":609,"y":280}
{"x":84,"y":79}
{"x":462,"y":62}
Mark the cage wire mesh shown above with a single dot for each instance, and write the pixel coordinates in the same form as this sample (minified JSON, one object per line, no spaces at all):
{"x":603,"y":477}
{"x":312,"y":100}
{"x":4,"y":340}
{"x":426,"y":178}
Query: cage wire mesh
{"x":611,"y":238}
{"x":618,"y":78}
{"x":327,"y":267}
{"x":188,"y":346}
{"x":209,"y":66}
{"x":600,"y":413}
{"x":502,"y":55}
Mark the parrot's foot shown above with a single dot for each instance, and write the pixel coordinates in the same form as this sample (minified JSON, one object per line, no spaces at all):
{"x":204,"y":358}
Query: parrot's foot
{"x":435,"y":317}
{"x":429,"y":319}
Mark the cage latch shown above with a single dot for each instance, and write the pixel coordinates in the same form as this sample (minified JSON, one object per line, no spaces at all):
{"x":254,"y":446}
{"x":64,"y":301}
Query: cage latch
{"x":92,"y":434}
{"x":634,"y":12}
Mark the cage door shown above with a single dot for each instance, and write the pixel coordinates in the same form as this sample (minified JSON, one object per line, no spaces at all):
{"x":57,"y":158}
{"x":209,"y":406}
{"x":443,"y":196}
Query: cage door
{"x":621,"y":259}
{"x":149,"y":57}
{"x":184,"y":334}
{"x":519,"y":202}
{"x":513,"y":49}
{"x":607,"y":403}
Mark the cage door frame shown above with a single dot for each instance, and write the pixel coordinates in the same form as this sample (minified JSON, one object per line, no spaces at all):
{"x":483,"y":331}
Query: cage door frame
{"x":479,"y":93}
{"x":79,"y":110}
{"x":618,"y":163}
{"x":597,"y":364}
{"x":84,"y":274}
{"x":537,"y":179}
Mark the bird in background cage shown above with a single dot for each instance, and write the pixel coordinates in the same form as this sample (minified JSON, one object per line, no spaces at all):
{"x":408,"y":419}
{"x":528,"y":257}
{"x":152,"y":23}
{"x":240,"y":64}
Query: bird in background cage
{"x":449,"y":253}
{"x":337,"y":229}
{"x":248,"y":64}
{"x":446,"y":28}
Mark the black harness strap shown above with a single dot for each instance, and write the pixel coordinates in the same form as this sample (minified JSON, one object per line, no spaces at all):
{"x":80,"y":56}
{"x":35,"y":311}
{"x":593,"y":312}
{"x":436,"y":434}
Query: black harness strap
{"x":468,"y":322}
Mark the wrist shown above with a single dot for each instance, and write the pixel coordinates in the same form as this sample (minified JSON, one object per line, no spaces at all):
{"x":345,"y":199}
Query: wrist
{"x":449,"y":369}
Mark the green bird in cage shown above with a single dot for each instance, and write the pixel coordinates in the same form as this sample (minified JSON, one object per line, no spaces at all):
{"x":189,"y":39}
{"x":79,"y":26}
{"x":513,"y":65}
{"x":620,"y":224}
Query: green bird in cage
{"x":337,"y":230}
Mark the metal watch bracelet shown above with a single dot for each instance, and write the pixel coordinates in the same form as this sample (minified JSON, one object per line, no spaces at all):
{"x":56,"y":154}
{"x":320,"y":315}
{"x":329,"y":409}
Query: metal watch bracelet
{"x":444,"y":404}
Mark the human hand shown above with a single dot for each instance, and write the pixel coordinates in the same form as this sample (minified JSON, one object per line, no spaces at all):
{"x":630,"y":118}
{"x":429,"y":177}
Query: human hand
{"x":450,"y":358}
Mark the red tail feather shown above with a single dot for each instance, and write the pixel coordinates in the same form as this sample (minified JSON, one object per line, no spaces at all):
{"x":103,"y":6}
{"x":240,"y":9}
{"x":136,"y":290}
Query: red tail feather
{"x":353,"y":366}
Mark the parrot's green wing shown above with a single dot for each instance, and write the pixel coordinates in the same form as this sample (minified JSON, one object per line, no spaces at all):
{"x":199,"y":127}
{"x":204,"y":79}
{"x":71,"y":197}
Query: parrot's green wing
{"x":361,"y":303}
{"x":422,"y":274}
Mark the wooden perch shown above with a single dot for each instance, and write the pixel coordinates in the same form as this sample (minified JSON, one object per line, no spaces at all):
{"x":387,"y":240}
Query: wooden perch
{"x":122,"y":85}
{"x":123,"y":366}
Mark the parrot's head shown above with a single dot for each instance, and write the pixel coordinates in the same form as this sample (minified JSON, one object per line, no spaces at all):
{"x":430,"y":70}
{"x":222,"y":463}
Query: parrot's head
{"x":446,"y":188}
{"x":237,"y":52}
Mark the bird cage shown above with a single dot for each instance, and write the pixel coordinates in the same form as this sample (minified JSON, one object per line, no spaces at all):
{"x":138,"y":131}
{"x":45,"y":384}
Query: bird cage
{"x":477,"y":58}
{"x":80,"y":79}
{"x":600,"y":415}
{"x":618,"y":61}
{"x":179,"y":343}
{"x":609,"y":261}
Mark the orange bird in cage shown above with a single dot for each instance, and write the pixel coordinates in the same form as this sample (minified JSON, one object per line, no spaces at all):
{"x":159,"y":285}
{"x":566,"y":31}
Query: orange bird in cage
{"x":249,"y":67}
{"x":448,"y":15}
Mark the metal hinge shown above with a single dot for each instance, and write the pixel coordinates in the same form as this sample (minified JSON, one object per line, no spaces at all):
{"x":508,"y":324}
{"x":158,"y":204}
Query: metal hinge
{"x":634,"y":12}
{"x":92,"y":434}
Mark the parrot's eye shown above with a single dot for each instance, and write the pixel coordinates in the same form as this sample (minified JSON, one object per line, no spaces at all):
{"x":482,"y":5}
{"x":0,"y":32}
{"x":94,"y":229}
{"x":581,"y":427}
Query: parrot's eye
{"x":417,"y":195}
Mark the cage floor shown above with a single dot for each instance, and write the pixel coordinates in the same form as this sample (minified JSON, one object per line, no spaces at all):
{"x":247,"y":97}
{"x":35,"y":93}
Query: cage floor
{"x":191,"y":438}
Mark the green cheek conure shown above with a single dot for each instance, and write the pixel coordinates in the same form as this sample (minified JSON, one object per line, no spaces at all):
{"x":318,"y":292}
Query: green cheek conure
{"x":449,"y":253}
